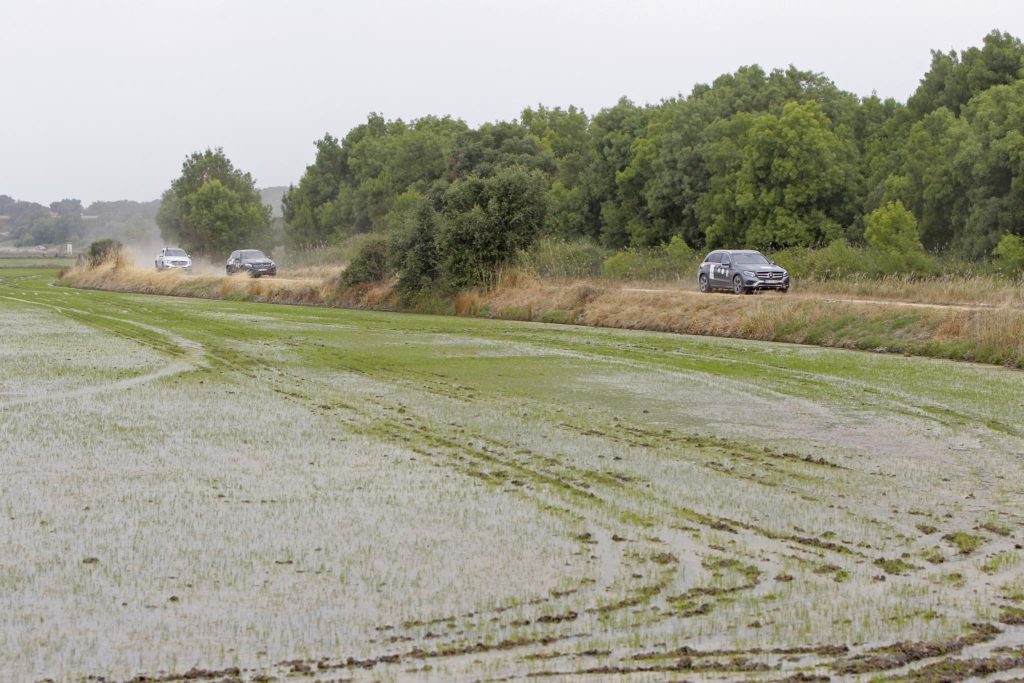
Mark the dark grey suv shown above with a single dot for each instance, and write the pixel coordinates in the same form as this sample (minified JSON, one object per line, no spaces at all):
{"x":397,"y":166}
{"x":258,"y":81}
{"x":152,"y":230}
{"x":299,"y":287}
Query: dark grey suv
{"x":251,"y":261}
{"x":740,"y":271}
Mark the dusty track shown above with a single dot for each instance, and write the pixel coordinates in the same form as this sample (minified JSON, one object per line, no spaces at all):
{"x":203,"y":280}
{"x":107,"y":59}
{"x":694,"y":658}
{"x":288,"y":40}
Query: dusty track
{"x":832,"y":299}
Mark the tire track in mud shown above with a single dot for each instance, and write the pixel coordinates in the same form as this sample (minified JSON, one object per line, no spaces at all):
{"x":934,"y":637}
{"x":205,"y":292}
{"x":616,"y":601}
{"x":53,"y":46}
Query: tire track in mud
{"x":405,"y":425}
{"x":646,"y":597}
{"x":475,"y":453}
{"x":813,"y":544}
{"x":190,"y":355}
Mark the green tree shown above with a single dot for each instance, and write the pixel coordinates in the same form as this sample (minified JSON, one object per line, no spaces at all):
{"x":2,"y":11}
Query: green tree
{"x":994,"y":155}
{"x":419,"y":270}
{"x":935,"y":177}
{"x":306,"y":225}
{"x":779,"y":181}
{"x":487,"y":221}
{"x":953,"y":80}
{"x":612,"y":132}
{"x":353,"y":185}
{"x":213,"y":208}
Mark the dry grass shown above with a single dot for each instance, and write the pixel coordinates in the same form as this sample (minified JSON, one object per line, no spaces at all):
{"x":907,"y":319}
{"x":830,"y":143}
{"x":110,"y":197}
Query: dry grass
{"x":965,"y":334}
{"x":949,"y":290}
{"x":976,"y":318}
{"x":324,"y":272}
{"x":119,"y":275}
{"x":468,"y":303}
{"x":978,"y":290}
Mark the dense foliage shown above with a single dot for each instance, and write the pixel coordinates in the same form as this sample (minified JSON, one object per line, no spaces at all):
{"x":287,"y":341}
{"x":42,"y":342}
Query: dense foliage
{"x":213,"y":208}
{"x":772,"y":160}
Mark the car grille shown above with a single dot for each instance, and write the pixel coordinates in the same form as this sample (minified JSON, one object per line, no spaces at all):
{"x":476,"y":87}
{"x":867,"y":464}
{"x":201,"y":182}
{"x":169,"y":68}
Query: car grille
{"x":768,"y":275}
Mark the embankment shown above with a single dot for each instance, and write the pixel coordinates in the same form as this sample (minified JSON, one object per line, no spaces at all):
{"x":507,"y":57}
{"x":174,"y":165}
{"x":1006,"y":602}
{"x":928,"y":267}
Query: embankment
{"x":987,"y":334}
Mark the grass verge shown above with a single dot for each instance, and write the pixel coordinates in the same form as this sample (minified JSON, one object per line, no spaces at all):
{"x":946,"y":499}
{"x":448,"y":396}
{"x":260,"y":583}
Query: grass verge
{"x":957,"y":332}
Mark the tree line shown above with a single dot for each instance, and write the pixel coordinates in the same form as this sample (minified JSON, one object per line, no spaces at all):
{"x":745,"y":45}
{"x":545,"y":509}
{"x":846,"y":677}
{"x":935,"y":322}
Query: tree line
{"x":768,"y":160}
{"x":67,"y":220}
{"x":759,"y":159}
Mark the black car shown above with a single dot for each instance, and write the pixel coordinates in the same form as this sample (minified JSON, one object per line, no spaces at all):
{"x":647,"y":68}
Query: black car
{"x":741,"y":271}
{"x":251,"y":261}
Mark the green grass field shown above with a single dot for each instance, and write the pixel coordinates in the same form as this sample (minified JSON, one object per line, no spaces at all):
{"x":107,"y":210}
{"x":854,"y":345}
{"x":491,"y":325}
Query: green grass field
{"x":17,"y":262}
{"x":190,"y":486}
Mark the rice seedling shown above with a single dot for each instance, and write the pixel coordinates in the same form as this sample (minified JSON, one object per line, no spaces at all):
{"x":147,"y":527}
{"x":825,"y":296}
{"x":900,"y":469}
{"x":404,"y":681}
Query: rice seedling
{"x":198,"y":486}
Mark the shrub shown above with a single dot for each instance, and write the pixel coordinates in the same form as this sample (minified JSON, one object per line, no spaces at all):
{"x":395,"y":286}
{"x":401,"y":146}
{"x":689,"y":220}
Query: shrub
{"x":1009,"y":255}
{"x":487,"y":222}
{"x":836,"y":260}
{"x":369,"y":265}
{"x":103,"y":250}
{"x":891,"y":231}
{"x":553,"y":257}
{"x":419,"y":266}
{"x":323,"y":254}
{"x":672,"y":261}
{"x":840,"y":260}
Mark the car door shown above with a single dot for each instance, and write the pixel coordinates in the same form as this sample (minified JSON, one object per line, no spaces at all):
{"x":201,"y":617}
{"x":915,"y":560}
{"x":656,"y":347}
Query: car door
{"x":725,"y":272}
{"x":710,"y":265}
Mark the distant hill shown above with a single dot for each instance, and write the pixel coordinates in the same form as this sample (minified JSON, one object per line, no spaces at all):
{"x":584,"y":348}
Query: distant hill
{"x":272,"y":197}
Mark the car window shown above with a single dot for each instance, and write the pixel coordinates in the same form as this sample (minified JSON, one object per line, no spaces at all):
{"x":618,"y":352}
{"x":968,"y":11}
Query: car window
{"x":726,"y":260}
{"x":252,"y":253}
{"x":752,"y":257}
{"x":714,"y":257}
{"x":175,"y":252}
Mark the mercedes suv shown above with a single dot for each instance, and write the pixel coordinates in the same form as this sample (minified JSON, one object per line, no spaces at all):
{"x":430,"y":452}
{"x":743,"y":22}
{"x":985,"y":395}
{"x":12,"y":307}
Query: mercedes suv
{"x":740,"y":271}
{"x":251,"y":261}
{"x":173,"y":257}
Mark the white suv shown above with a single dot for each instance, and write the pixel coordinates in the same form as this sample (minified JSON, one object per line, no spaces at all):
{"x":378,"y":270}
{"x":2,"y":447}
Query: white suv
{"x":173,"y":257}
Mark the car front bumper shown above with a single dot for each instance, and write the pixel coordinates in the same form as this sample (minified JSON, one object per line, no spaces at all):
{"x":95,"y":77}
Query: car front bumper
{"x":758,"y":283}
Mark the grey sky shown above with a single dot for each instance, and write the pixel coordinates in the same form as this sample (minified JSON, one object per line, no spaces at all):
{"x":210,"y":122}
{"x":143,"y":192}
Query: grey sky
{"x":104,"y":99}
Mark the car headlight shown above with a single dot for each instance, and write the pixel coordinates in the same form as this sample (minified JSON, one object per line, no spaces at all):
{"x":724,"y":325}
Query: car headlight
{"x":749,"y":273}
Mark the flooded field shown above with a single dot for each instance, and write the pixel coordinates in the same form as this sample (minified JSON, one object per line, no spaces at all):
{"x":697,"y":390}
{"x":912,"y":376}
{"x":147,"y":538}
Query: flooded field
{"x":233,"y":491}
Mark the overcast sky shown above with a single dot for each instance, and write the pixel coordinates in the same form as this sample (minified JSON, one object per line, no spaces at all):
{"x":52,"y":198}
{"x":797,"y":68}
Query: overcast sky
{"x":105,"y":99}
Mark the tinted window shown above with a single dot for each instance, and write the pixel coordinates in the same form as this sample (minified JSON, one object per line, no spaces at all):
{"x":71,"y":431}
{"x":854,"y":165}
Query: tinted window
{"x":175,"y":252}
{"x":714,"y":257}
{"x":750,"y":257}
{"x":252,"y":253}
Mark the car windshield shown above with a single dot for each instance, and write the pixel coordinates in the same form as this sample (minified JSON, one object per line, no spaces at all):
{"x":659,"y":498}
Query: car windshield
{"x":750,"y":257}
{"x":175,"y":252}
{"x":252,"y":254}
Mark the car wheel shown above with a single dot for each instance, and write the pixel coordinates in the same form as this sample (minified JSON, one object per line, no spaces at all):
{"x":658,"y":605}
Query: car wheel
{"x":703,"y":284}
{"x":784,"y":290}
{"x":737,"y":285}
